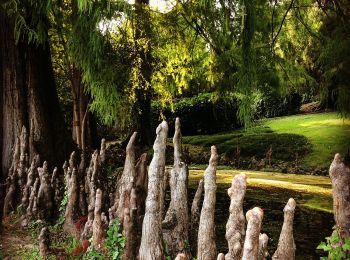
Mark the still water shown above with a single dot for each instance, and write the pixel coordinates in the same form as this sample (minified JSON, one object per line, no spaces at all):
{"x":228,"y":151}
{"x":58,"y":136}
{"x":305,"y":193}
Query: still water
{"x":311,"y":226}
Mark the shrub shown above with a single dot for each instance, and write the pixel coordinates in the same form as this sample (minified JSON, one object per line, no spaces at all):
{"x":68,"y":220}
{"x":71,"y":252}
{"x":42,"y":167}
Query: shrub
{"x":200,"y":114}
{"x":336,"y":247}
{"x":273,"y":105}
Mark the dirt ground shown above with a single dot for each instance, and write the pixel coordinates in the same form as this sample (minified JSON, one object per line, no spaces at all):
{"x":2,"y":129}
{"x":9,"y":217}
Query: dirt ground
{"x":14,"y":239}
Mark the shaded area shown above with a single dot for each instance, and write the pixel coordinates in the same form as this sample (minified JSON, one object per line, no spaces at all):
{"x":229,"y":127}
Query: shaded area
{"x":301,"y":141}
{"x":271,"y":191}
{"x":255,"y":142}
{"x":310,"y":226}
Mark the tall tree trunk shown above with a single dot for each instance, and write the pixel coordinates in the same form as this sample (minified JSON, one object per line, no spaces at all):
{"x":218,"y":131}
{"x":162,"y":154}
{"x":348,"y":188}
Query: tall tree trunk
{"x":29,"y":99}
{"x":2,"y":185}
{"x":84,"y":125}
{"x":143,"y":93}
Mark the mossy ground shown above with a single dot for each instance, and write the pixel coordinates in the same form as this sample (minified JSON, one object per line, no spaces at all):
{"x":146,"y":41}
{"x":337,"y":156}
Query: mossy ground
{"x":312,"y":139}
{"x":313,"y":192}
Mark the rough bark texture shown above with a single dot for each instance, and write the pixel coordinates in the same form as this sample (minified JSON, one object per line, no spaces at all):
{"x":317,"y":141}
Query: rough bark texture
{"x":126,"y":181}
{"x":84,"y":124}
{"x":206,"y":232}
{"x":32,"y":174}
{"x":263,"y":241}
{"x":340,"y":176}
{"x":32,"y":208}
{"x":12,"y":179}
{"x":44,"y":243}
{"x":28,"y":98}
{"x":130,"y":228}
{"x":98,"y":231}
{"x":251,"y":242}
{"x":195,"y":215}
{"x":103,"y":151}
{"x":45,"y":195}
{"x":235,"y":227}
{"x":72,"y":202}
{"x":181,"y":256}
{"x":2,"y":174}
{"x":90,"y":189}
{"x":286,"y":246}
{"x":151,"y":242}
{"x":176,"y":222}
{"x":141,"y":183}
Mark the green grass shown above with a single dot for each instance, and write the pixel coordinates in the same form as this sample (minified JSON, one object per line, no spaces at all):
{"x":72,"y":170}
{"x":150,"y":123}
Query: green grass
{"x":327,"y":133}
{"x":313,"y":192}
{"x":312,"y":138}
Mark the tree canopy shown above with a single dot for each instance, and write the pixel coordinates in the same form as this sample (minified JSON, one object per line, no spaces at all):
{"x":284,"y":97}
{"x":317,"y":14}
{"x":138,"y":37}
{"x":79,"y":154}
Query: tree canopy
{"x":131,"y":52}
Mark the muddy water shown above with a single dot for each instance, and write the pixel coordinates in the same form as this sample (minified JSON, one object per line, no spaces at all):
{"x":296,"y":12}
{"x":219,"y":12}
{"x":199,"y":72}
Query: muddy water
{"x":310,"y":226}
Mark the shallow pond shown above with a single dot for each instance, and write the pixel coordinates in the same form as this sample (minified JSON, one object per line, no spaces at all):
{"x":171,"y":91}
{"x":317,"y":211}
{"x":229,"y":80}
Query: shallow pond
{"x":311,"y":225}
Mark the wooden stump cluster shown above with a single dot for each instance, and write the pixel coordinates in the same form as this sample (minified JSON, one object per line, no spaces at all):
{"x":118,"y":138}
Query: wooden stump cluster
{"x":29,"y":186}
{"x":152,"y":231}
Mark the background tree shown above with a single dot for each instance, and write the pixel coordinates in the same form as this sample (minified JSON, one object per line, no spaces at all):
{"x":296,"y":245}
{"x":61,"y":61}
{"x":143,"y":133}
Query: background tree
{"x":64,"y":17}
{"x":29,"y":96}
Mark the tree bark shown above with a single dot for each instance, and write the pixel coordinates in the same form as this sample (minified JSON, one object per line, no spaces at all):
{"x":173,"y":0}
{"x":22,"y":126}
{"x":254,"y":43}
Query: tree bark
{"x":263,"y":241}
{"x":45,"y":194}
{"x":195,"y":215}
{"x":286,"y":246}
{"x":206,"y":232}
{"x":251,"y":242}
{"x":29,"y":99}
{"x":98,"y":233}
{"x":235,"y":227}
{"x":72,"y":203}
{"x":126,"y":181}
{"x":340,"y":176}
{"x":176,"y":222}
{"x":84,"y":124}
{"x":151,"y":242}
{"x":143,"y":93}
{"x":2,"y":174}
{"x":44,"y":243}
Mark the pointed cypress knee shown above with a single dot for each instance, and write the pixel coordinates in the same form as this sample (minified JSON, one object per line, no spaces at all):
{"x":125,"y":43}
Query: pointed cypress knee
{"x":340,"y":176}
{"x":251,"y":242}
{"x":206,"y":233}
{"x":286,"y":246}
{"x":151,"y":241}
{"x":235,"y":227}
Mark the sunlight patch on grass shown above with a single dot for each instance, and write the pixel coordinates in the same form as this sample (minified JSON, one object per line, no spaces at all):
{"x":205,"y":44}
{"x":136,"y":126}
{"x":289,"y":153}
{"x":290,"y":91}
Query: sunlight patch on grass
{"x":316,"y":190}
{"x":330,"y":122}
{"x":315,"y":138}
{"x":327,"y":132}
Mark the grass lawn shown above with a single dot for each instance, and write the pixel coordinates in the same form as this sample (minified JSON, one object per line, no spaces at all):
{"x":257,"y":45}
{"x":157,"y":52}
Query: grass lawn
{"x":312,"y":138}
{"x":327,"y":133}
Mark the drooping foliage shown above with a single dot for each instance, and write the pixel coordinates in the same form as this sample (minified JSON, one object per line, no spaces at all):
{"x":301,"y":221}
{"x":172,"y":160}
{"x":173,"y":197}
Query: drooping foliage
{"x":250,"y":50}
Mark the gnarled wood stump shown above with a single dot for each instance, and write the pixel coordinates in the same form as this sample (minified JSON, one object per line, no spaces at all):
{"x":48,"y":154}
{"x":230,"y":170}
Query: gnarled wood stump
{"x":286,"y":246}
{"x":195,"y":215}
{"x":251,"y":242}
{"x":235,"y":227}
{"x":176,"y":223}
{"x":206,"y":233}
{"x":151,"y":241}
{"x":340,"y":176}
